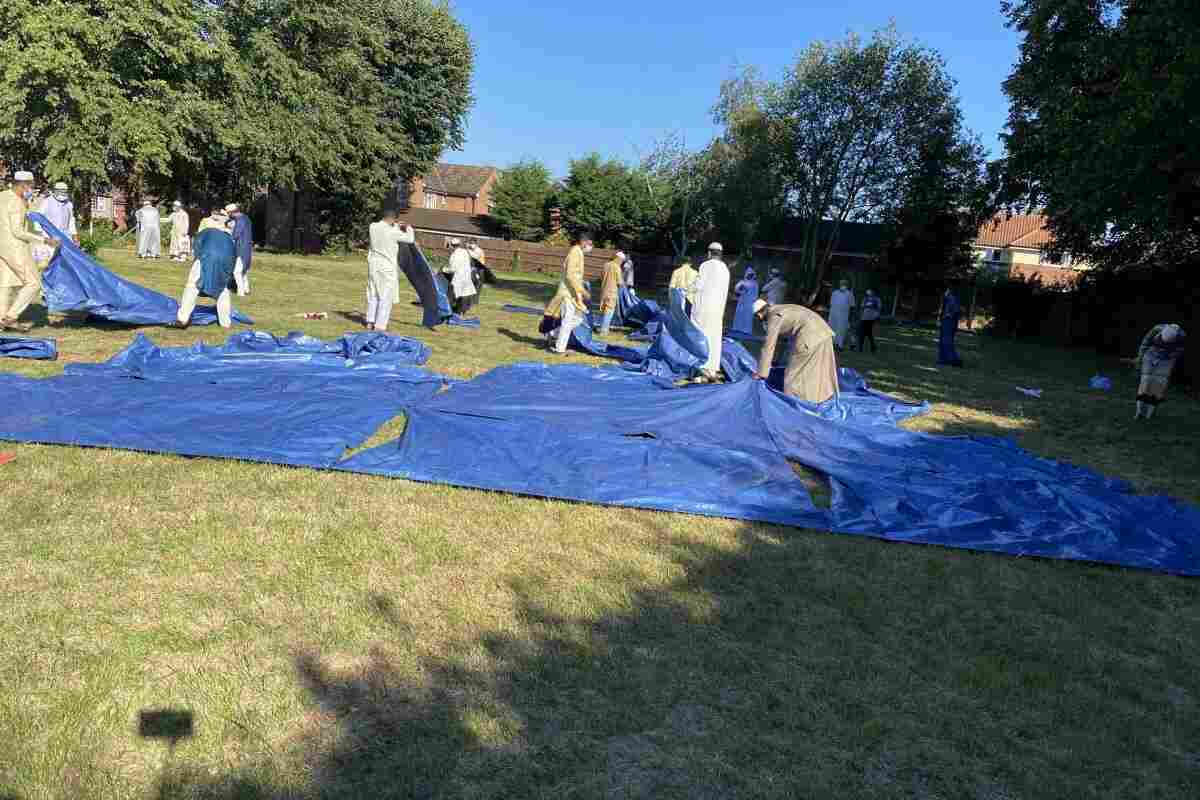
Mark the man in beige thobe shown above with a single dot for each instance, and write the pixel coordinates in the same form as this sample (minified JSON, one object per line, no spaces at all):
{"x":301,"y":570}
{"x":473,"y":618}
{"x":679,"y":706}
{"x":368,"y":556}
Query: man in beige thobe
{"x":570,"y":300}
{"x":812,"y":364}
{"x":181,"y":242}
{"x":610,"y":285}
{"x":20,"y":281}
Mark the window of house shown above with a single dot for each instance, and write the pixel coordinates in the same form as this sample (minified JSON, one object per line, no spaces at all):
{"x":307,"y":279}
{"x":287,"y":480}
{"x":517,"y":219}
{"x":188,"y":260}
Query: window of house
{"x":434,"y":200}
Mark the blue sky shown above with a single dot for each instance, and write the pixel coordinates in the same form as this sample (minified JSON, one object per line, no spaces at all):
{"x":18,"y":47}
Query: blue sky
{"x":556,"y":81}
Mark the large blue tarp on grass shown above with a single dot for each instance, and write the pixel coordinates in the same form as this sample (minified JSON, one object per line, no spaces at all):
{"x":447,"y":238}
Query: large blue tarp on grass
{"x":609,"y":436}
{"x":74,"y":282}
{"x":25,"y":347}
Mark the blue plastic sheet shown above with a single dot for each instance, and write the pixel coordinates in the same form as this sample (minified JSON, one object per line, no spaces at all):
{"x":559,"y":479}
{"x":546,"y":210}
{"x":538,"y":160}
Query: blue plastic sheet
{"x":296,"y":400}
{"x":522,"y":309}
{"x":74,"y":282}
{"x":23,"y":347}
{"x":429,"y":286}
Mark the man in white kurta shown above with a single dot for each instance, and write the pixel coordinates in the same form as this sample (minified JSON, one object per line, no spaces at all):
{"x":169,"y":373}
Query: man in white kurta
{"x":181,"y":242}
{"x":708,"y":312}
{"x":383,"y":272}
{"x":840,"y":304}
{"x":20,"y":281}
{"x":461,"y":283}
{"x":58,"y":209}
{"x":149,"y":244}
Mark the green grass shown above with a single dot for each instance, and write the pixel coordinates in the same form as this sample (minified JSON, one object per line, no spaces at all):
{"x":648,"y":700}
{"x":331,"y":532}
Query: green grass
{"x":337,"y":635}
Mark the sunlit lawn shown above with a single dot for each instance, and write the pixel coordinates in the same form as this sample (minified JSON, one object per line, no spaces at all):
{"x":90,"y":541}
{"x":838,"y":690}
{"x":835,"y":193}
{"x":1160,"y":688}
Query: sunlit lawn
{"x":338,"y":635}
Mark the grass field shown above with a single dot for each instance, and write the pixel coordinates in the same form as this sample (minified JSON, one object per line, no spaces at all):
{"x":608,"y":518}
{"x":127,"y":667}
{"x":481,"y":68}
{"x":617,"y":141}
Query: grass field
{"x":335,"y":635}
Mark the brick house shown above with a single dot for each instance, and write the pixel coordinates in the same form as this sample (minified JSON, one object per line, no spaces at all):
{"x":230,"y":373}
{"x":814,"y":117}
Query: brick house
{"x":454,"y":188}
{"x":1014,"y":246}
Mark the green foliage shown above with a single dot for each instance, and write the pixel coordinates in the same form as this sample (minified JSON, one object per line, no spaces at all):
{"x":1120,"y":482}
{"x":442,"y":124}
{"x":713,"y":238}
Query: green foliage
{"x":1102,"y":128}
{"x":853,"y":132}
{"x":100,"y":233}
{"x":520,"y":200}
{"x":210,"y":101}
{"x":675,"y":180}
{"x":607,"y":198}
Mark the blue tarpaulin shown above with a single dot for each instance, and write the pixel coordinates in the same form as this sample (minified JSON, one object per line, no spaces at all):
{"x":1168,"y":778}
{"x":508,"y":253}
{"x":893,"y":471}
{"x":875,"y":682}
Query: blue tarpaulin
{"x":725,"y":450}
{"x":23,"y":347}
{"x":74,"y":282}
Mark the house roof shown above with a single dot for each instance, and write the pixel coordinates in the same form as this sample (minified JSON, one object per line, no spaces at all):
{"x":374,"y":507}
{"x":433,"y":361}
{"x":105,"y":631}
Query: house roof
{"x":458,"y":180}
{"x":435,"y":221}
{"x":1021,"y":230}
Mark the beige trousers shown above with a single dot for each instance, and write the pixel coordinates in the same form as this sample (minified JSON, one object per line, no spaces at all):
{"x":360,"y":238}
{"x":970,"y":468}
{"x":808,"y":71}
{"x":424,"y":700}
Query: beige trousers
{"x":191,"y":292}
{"x":15,"y":299}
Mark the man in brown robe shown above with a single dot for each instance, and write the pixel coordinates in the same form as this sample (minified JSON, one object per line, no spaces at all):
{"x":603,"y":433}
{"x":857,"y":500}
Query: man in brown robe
{"x":812,"y":364}
{"x":609,"y":287}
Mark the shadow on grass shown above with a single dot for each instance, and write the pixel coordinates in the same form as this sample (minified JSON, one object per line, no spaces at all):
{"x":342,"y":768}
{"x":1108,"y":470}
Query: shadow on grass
{"x":793,"y":664}
{"x":520,"y":338}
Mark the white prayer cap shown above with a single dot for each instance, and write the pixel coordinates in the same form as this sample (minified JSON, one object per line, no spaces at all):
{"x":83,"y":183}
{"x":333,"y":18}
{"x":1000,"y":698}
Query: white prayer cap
{"x":715,"y":247}
{"x":60,"y":187}
{"x":759,"y":305}
{"x":22,"y":176}
{"x":147,"y":203}
{"x":1170,"y":333}
{"x":621,"y":254}
{"x":456,"y":241}
{"x":232,"y":207}
{"x":177,"y":204}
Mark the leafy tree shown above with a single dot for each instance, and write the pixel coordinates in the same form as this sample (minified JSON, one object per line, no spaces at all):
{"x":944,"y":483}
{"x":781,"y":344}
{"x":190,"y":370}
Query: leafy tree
{"x":520,"y":199}
{"x":846,"y":132}
{"x":675,"y":182}
{"x":1102,"y":126}
{"x":605,"y":197}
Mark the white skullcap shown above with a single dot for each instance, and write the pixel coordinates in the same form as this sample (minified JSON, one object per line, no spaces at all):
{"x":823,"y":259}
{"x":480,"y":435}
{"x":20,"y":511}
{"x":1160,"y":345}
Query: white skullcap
{"x":456,"y":241}
{"x":60,"y":186}
{"x":232,"y":207}
{"x":759,"y":305}
{"x":147,"y":203}
{"x":1170,"y":333}
{"x":716,"y":247}
{"x":21,"y":176}
{"x":178,"y":204}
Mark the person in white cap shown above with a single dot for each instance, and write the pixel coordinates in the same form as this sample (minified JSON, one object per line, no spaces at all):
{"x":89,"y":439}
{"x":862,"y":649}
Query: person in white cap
{"x":627,"y":271}
{"x":840,"y":304}
{"x":181,"y":241}
{"x":216,"y":219}
{"x":149,"y":240}
{"x":243,"y":236}
{"x":19,"y":278}
{"x":1161,"y":349}
{"x":58,"y":209}
{"x":458,"y":275}
{"x":708,"y":312}
{"x":811,"y":372}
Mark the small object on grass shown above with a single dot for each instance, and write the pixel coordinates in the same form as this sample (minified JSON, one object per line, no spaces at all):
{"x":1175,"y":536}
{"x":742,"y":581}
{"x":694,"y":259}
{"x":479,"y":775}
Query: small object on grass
{"x":313,"y":315}
{"x":1030,"y":392}
{"x":7,"y":457}
{"x":1101,"y":382}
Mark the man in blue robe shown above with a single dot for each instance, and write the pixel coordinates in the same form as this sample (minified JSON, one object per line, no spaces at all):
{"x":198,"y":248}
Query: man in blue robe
{"x":211,"y":275}
{"x":243,"y":240}
{"x":951,"y":313}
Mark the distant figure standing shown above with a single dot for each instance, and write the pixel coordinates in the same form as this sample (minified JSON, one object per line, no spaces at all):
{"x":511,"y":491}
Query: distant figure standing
{"x":383,"y":272}
{"x":776,"y":288}
{"x":1160,"y":350}
{"x":243,"y":240}
{"x":872,"y":306}
{"x":462,"y":285}
{"x":840,"y":304}
{"x":610,"y":286}
{"x":565,"y":310}
{"x":811,"y":373}
{"x":149,"y":244}
{"x":181,"y":242}
{"x":747,"y":294}
{"x":950,"y":314}
{"x":627,"y":271}
{"x":708,"y":314}
{"x":684,"y":278}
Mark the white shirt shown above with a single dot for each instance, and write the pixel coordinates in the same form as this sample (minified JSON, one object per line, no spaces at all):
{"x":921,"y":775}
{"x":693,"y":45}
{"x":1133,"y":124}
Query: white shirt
{"x":385,"y":240}
{"x":460,"y":265}
{"x":61,"y":214}
{"x":708,"y":311}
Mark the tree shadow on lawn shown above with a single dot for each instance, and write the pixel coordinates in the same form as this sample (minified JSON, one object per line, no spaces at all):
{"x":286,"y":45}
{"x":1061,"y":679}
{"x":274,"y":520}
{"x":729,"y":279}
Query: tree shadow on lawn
{"x":782,"y":664}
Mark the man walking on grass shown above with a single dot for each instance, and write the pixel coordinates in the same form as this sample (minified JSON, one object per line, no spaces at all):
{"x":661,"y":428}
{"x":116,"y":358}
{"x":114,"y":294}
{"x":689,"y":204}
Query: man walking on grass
{"x":570,"y":300}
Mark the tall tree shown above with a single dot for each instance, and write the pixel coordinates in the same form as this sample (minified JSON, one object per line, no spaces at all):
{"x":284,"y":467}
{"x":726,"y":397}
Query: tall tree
{"x":606,"y":197}
{"x":1102,"y":126}
{"x":846,"y":130}
{"x":674,"y":180}
{"x":520,"y":199}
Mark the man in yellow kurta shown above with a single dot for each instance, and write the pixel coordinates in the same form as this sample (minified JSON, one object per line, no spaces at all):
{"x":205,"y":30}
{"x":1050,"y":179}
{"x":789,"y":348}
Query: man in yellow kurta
{"x":685,"y":278}
{"x":20,"y":281}
{"x":570,"y":301}
{"x":812,"y":365}
{"x":609,"y":289}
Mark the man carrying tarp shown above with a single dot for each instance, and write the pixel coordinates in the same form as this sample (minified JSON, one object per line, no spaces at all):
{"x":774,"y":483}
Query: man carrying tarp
{"x":811,"y":373}
{"x":383,"y":270}
{"x":708,"y":313}
{"x":58,"y":208}
{"x":462,"y":284}
{"x":684,"y":278}
{"x":20,"y":281}
{"x":568,"y":304}
{"x":610,"y":286}
{"x":211,"y":275}
{"x":243,"y":242}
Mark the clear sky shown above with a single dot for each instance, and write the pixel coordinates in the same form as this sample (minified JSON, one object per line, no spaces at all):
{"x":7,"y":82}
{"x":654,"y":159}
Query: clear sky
{"x":557,"y":80}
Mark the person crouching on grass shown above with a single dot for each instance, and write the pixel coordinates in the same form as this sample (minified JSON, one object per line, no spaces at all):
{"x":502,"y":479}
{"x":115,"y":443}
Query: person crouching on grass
{"x":1160,"y":350}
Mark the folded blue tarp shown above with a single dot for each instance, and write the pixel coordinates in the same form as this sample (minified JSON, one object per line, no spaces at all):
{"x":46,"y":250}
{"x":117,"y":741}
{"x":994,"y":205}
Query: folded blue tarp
{"x":22,"y":347}
{"x":74,"y":282}
{"x":286,"y":401}
{"x":429,"y":286}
